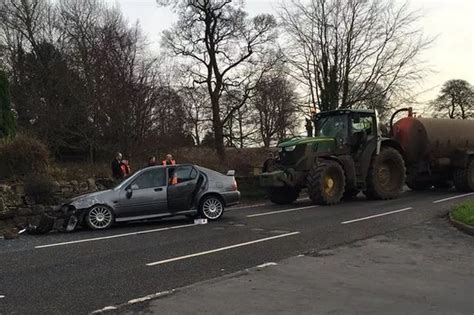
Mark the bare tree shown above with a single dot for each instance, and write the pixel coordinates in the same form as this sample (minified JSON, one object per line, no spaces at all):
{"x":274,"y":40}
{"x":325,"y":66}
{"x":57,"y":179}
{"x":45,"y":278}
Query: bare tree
{"x":196,"y":100}
{"x":456,"y":100}
{"x":344,"y":51}
{"x":218,"y":40}
{"x":276,"y":108}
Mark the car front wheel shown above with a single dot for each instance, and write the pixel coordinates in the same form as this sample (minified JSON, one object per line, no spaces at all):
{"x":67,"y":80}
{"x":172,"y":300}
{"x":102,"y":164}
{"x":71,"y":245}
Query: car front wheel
{"x":211,"y":208}
{"x":99,"y":217}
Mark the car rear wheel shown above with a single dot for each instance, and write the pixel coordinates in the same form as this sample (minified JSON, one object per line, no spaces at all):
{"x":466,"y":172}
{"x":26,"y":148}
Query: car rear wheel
{"x":211,"y":208}
{"x":99,"y":217}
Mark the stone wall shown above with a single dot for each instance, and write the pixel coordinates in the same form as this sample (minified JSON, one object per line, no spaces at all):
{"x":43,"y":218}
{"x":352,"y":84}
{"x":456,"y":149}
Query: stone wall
{"x":18,"y":210}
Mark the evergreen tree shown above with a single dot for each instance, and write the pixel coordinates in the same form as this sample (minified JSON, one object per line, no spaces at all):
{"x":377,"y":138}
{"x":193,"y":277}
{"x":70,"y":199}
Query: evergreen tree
{"x":7,"y":120}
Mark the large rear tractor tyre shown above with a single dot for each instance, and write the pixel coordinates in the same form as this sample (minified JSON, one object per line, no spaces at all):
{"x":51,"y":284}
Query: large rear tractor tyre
{"x":326,"y":183}
{"x":464,"y":178}
{"x":386,"y":175}
{"x":283,"y":195}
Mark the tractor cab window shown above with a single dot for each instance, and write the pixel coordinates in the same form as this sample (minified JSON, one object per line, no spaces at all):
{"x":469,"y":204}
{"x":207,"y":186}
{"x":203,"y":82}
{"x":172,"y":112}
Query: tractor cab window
{"x":334,"y":126}
{"x":362,"y":124}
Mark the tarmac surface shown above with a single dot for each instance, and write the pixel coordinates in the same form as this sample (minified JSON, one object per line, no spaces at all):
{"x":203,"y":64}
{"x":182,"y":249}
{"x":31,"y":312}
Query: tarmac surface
{"x":422,"y":269}
{"x":87,"y":271}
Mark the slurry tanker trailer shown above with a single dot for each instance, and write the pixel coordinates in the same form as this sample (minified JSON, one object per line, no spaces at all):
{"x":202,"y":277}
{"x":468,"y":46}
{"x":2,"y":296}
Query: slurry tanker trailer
{"x":349,"y":154}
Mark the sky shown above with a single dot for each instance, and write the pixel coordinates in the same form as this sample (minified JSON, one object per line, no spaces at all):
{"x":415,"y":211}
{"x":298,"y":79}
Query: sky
{"x":451,"y":56}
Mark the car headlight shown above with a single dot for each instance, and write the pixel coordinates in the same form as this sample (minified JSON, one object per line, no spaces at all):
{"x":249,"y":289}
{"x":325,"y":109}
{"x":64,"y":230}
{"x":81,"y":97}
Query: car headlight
{"x":290,"y":148}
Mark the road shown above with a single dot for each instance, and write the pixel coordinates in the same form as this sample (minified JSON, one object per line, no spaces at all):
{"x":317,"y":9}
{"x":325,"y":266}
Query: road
{"x":86,"y":271}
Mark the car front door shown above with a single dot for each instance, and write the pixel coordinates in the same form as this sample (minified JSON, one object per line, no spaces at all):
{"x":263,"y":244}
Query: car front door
{"x":182,"y":184}
{"x":145,"y":196}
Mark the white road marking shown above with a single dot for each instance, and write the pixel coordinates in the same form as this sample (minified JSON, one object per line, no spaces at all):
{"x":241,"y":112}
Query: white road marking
{"x":220,"y":249}
{"x":261,"y":205}
{"x":279,"y":211}
{"x":376,"y":215}
{"x":134,"y":301}
{"x":250,"y":206}
{"x":116,"y":236}
{"x":2,"y":296}
{"x":268,"y":264}
{"x":455,"y":197}
{"x":107,"y":308}
{"x":149,"y":297}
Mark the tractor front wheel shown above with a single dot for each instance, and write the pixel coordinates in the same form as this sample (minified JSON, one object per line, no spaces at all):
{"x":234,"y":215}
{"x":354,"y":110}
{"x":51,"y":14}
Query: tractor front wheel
{"x":326,"y":183}
{"x":283,"y":195}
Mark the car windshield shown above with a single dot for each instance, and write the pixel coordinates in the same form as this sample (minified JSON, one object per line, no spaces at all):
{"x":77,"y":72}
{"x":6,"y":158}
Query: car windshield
{"x":331,"y":126}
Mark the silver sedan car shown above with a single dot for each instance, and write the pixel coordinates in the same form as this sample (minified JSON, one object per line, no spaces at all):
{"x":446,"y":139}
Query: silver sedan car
{"x":156,"y":192}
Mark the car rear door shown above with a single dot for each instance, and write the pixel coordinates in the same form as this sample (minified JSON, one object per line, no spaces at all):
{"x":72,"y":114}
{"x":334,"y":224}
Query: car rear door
{"x":181,"y":190}
{"x":145,"y":196}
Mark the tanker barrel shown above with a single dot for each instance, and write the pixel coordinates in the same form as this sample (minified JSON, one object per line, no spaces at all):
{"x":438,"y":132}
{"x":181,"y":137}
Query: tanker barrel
{"x":433,"y":138}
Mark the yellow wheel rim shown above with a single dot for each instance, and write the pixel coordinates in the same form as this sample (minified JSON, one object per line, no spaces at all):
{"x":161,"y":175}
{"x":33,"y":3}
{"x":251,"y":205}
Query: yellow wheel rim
{"x":328,"y":185}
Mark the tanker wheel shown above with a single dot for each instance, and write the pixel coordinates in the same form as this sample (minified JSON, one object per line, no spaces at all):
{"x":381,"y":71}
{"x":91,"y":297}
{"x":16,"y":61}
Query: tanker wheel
{"x":326,"y":183}
{"x":386,"y":175}
{"x":283,"y":195}
{"x":464,"y":178}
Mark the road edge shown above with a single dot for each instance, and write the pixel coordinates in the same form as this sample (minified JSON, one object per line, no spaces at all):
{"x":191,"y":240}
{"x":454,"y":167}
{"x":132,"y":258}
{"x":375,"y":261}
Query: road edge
{"x":460,"y":225}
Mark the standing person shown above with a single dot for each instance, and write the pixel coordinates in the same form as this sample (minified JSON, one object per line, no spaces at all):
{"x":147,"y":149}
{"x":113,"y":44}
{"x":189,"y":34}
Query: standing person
{"x":125,"y":167}
{"x":169,"y":160}
{"x":117,"y":167}
{"x":152,"y":161}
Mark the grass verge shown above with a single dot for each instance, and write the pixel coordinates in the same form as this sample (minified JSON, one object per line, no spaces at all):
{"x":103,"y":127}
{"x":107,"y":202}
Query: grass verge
{"x":464,"y":213}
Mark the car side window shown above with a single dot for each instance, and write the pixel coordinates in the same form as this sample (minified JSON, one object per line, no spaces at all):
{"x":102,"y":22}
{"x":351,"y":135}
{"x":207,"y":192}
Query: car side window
{"x":183,"y":174}
{"x":150,"y":179}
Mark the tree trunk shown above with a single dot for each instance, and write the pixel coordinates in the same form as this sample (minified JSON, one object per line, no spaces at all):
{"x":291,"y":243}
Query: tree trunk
{"x":218,"y":128}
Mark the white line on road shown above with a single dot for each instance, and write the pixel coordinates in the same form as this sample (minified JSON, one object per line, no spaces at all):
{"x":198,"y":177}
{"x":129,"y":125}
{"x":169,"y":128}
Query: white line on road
{"x":376,"y":215}
{"x":220,"y":249}
{"x":279,"y":211}
{"x":268,"y":264}
{"x":116,"y":236}
{"x":249,"y":206}
{"x":455,"y":197}
{"x":262,"y":205}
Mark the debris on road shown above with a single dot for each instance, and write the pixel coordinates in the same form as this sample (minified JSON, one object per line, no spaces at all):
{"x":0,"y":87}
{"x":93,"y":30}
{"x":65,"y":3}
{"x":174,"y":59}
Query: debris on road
{"x":200,"y":221}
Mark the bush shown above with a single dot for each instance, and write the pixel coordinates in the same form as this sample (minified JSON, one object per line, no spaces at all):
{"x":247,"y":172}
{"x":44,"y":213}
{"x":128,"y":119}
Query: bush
{"x":22,"y":156}
{"x":40,"y":189}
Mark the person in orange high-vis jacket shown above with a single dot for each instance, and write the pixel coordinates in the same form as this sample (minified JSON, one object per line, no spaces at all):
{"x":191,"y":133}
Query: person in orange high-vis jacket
{"x":173,"y":180}
{"x":169,"y":160}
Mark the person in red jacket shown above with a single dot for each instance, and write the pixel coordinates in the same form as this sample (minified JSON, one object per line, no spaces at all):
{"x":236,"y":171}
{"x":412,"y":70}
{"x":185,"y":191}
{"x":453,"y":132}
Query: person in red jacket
{"x":169,"y":160}
{"x":125,"y":167}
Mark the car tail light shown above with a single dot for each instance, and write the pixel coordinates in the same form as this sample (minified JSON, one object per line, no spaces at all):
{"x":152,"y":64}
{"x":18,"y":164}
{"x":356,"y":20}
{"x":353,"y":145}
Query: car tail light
{"x":234,"y":185}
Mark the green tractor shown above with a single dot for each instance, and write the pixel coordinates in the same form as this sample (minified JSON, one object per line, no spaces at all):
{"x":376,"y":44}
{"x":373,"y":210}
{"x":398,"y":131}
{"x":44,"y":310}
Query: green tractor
{"x":347,"y":155}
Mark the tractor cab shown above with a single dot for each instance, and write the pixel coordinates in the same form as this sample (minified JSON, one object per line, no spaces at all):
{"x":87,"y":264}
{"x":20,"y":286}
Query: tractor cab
{"x":350,"y":129}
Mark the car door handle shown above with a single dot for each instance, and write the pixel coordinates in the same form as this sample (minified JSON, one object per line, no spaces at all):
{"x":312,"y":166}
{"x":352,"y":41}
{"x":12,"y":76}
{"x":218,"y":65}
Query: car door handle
{"x":158,"y":189}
